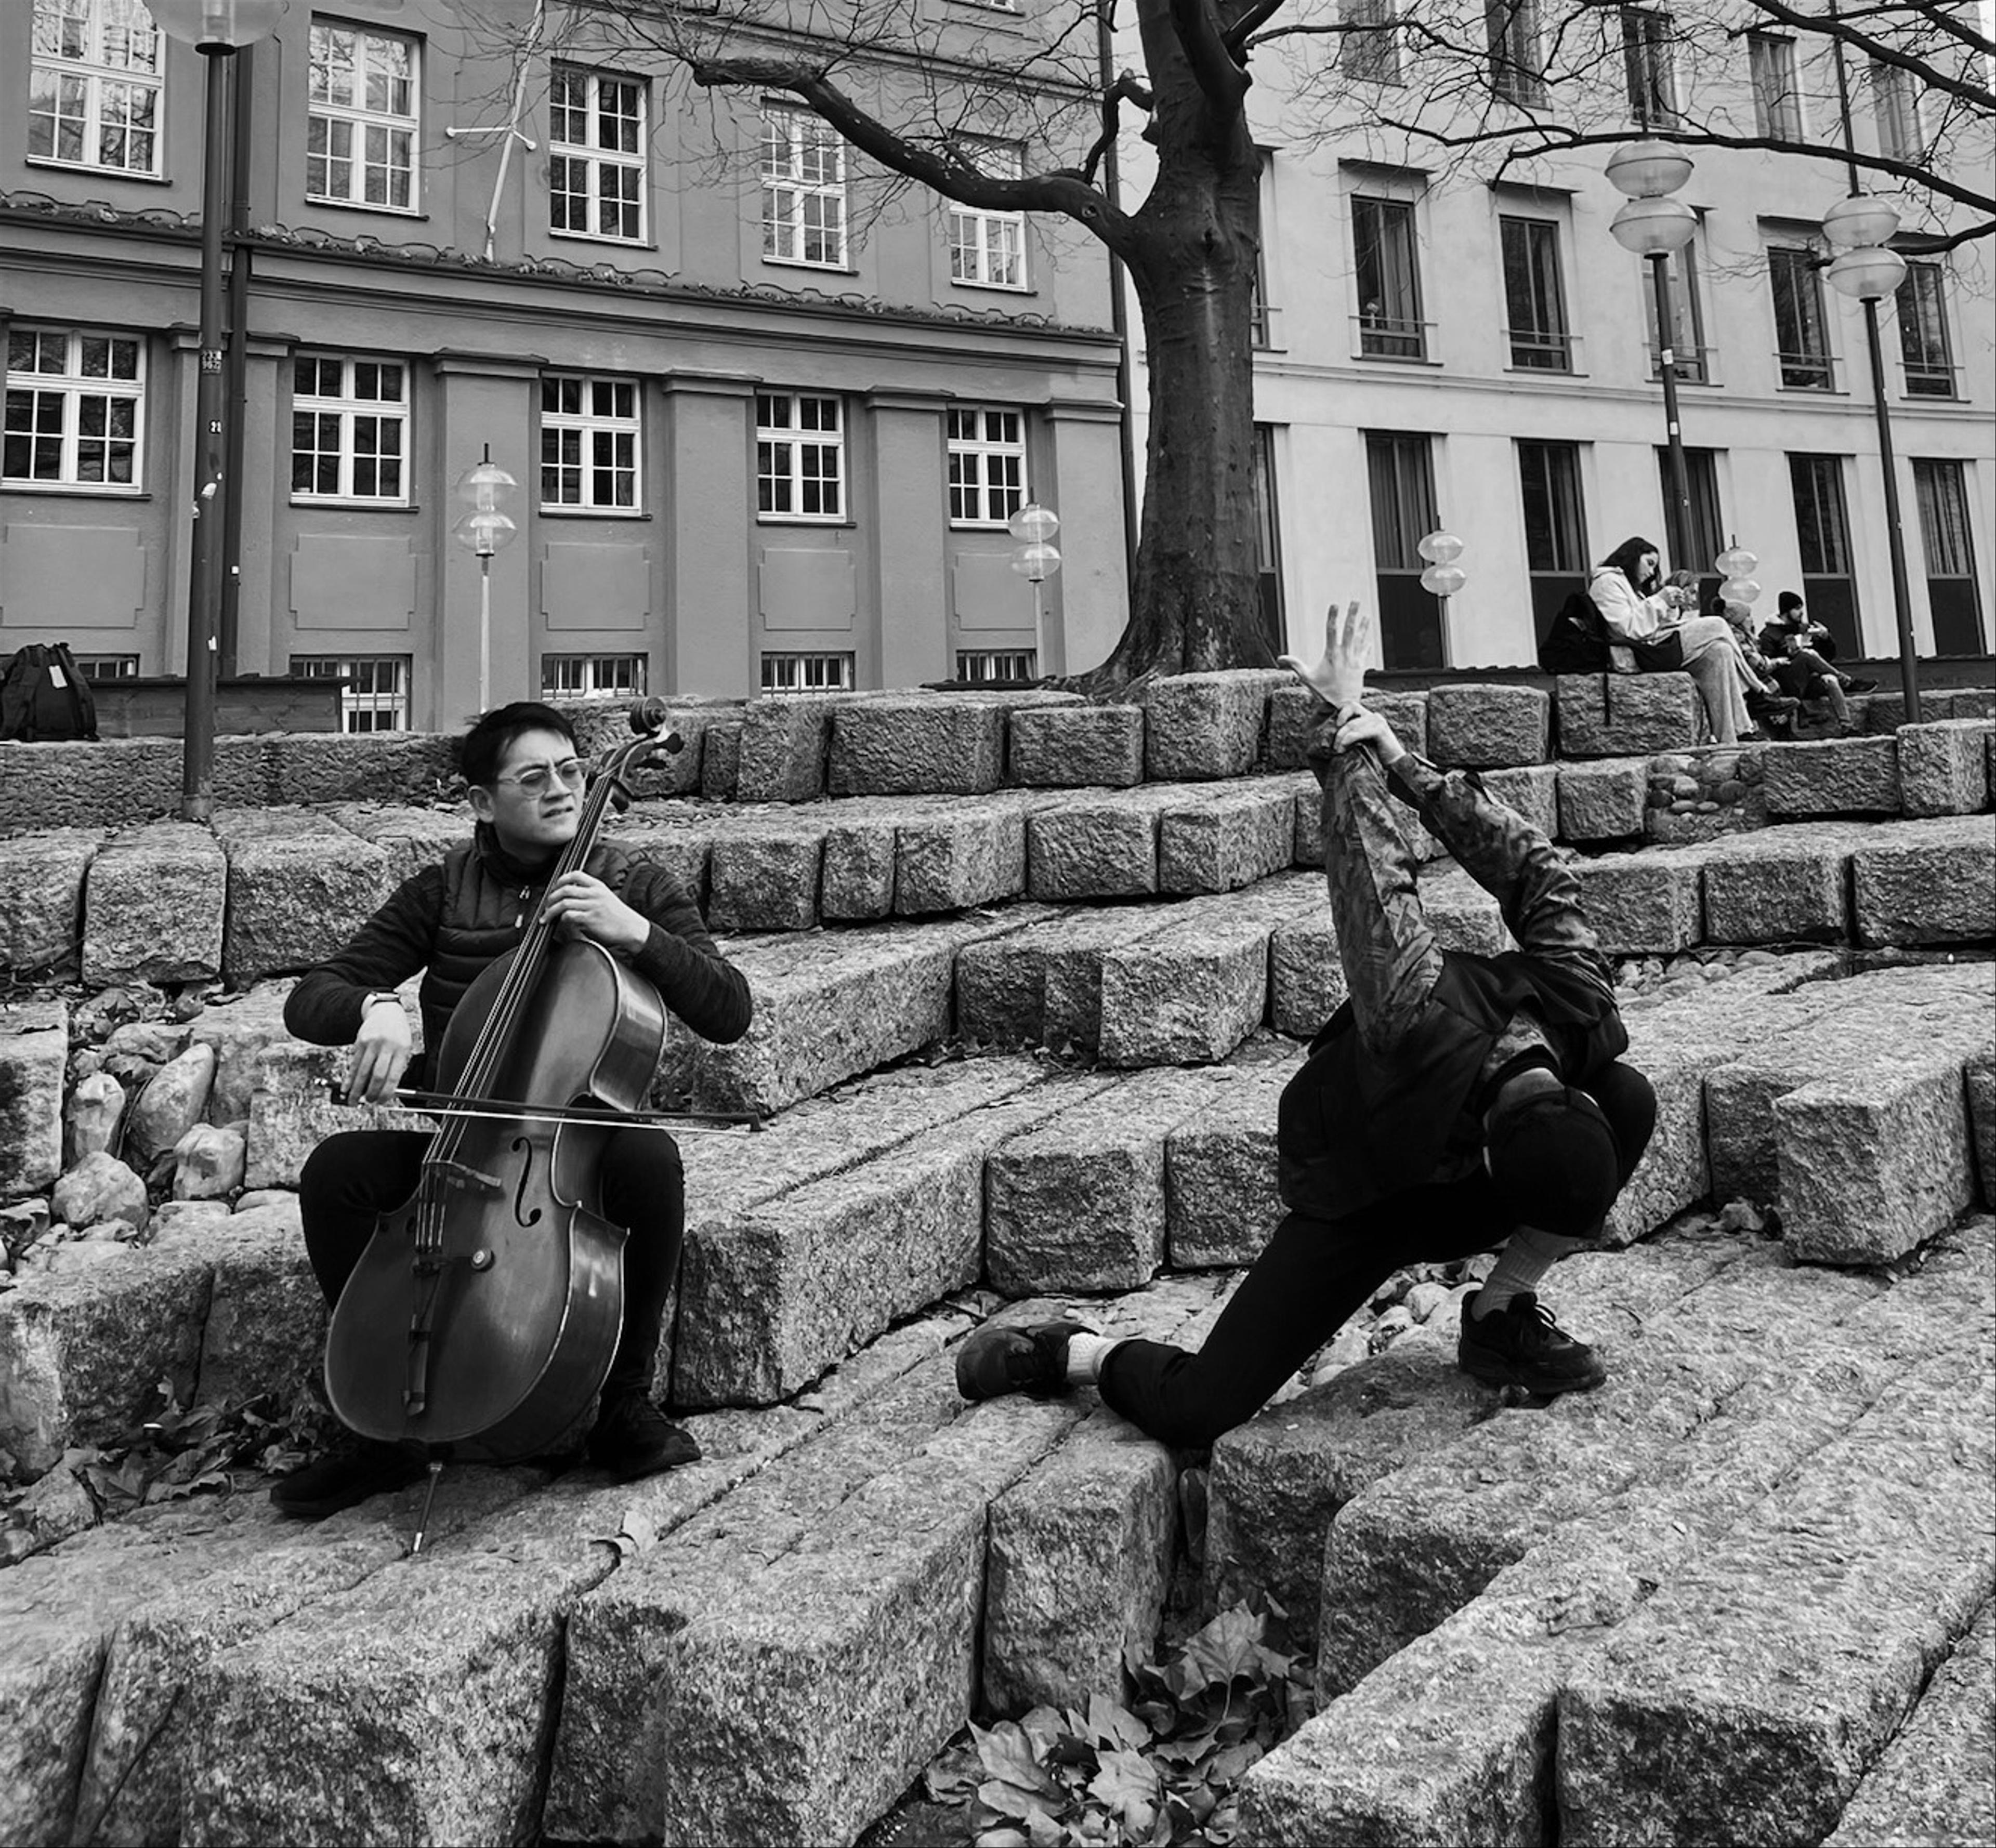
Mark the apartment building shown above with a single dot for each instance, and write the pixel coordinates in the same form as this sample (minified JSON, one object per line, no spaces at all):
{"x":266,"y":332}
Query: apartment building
{"x":1438,"y":350}
{"x":767,"y":423}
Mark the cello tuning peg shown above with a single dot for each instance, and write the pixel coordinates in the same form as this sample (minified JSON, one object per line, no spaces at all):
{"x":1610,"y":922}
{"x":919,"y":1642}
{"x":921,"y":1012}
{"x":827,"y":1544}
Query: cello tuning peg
{"x":648,"y":715}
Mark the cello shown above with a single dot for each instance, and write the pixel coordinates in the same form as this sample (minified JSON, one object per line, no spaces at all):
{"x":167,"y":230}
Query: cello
{"x":484,"y":1312}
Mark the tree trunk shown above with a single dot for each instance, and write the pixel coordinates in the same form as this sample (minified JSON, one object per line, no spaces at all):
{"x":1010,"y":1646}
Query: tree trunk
{"x":1195,"y":602}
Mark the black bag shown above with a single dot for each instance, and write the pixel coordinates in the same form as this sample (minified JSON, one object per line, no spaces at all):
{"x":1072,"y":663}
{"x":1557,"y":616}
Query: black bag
{"x":1662,"y":653}
{"x":1576,"y":642}
{"x":43,"y":697}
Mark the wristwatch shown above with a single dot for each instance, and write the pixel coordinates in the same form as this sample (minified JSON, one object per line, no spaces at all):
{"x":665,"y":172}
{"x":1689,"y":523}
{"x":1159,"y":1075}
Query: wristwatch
{"x":374,"y":1000}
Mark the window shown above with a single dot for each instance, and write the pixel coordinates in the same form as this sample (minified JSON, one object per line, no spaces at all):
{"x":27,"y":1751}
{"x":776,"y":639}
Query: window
{"x":73,"y":407}
{"x":1923,"y":339}
{"x":1778,"y":102}
{"x":594,"y":676}
{"x":976,"y":664}
{"x":349,"y":429}
{"x":806,"y":673}
{"x":1389,"y":291}
{"x":1689,"y":354}
{"x":799,"y":456}
{"x":1895,"y":100}
{"x":987,"y":466}
{"x":1371,"y":47}
{"x":99,"y":668}
{"x":1822,"y":528}
{"x":1555,"y":525}
{"x":1801,"y":336}
{"x":93,"y":89}
{"x":1268,"y":539}
{"x":1517,"y":57}
{"x":360,"y":132}
{"x":1646,"y":59}
{"x":1696,"y":548}
{"x":1534,"y":302}
{"x":1400,"y":475}
{"x":803,"y":188}
{"x":987,"y":250}
{"x":1952,"y":593}
{"x":376,"y":698}
{"x":589,"y":443}
{"x":596,"y":154}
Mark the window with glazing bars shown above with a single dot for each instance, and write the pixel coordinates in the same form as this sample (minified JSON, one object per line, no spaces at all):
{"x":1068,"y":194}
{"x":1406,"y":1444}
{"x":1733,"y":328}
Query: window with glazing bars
{"x":1534,"y":301}
{"x":1389,"y":275}
{"x":987,"y":465}
{"x":376,"y":698}
{"x":592,"y":676}
{"x":1517,"y":52}
{"x":1924,"y":345}
{"x":803,"y":188}
{"x":799,"y":456}
{"x":1647,"y":33}
{"x":1370,"y":50}
{"x":787,"y":673}
{"x":349,"y":429}
{"x":1777,"y":100}
{"x":360,"y":119}
{"x":987,"y":248}
{"x":75,"y":402}
{"x":590,"y":439}
{"x":1801,"y":333}
{"x":94,"y":85}
{"x":596,"y":154}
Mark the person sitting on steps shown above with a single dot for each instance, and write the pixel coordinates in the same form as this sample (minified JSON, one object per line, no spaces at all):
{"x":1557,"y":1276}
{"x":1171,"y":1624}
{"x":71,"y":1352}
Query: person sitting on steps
{"x":451,"y":921}
{"x":1801,"y":652}
{"x":1455,"y":1103}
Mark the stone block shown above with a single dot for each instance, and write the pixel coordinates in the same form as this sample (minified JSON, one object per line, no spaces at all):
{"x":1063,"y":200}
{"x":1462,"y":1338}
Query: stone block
{"x":1980,"y":1075}
{"x":916,"y":746}
{"x":34,"y":1056}
{"x":1874,"y":1161}
{"x":1076,"y":747}
{"x":1079,"y":1558}
{"x":766,"y":878}
{"x":153,"y":903}
{"x":411,"y":837}
{"x":1931,"y":882}
{"x":41,"y":899}
{"x":265,"y":1327}
{"x":1487,"y":727}
{"x":82,"y":1355}
{"x":1462,"y":915}
{"x":780,"y":755}
{"x":1674,"y":1173}
{"x":1603,"y":801}
{"x":1932,"y":1783}
{"x":293,"y":1106}
{"x":1650,"y":713}
{"x":1221,"y":1198}
{"x":1781,"y":885}
{"x":1102,"y":847}
{"x":1643,"y":904}
{"x":1043,"y":984}
{"x":720,"y":762}
{"x":1227,"y":838}
{"x":1077,"y":1202}
{"x":1833,"y":776}
{"x":1306,"y":982}
{"x":1580,"y":716}
{"x":1532,"y":790}
{"x":299,"y":886}
{"x":856,"y":874}
{"x":1200,"y":726}
{"x":974,"y":854}
{"x":1944,"y":766}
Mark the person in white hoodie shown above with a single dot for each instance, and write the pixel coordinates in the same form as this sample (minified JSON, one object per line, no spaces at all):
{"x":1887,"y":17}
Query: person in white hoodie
{"x":1656,"y":622}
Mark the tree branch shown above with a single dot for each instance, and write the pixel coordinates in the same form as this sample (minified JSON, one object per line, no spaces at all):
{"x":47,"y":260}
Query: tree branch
{"x":1127,"y":88}
{"x":1222,"y":80}
{"x":1241,"y":34}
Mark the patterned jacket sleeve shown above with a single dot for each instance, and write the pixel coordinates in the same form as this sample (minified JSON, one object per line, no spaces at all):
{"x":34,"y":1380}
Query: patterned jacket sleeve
{"x":1391,"y":961}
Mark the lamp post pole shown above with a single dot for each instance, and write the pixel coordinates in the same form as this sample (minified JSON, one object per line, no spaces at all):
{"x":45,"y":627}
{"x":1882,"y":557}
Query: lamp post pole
{"x":485,"y":488}
{"x":1667,"y":368}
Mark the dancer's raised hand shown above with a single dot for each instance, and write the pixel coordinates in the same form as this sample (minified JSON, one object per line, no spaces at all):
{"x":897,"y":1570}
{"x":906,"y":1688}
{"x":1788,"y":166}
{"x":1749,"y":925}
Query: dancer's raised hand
{"x":1339,"y":677}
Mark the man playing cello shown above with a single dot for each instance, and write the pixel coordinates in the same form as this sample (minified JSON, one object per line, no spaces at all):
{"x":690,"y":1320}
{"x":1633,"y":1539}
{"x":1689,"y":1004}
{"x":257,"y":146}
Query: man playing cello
{"x":451,"y":921}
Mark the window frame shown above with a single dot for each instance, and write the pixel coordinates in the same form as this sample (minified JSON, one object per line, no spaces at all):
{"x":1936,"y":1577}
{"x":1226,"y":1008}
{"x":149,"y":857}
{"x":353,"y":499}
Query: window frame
{"x":796,"y":437}
{"x":1374,"y":55}
{"x":1544,"y":274}
{"x":1897,"y":113}
{"x":348,"y":407}
{"x":1774,"y":76}
{"x":785,"y":197}
{"x":971,"y":228}
{"x":1692,"y":363}
{"x":1401,"y":509}
{"x":1795,"y":288}
{"x":1707,"y":538}
{"x":1026,"y":662}
{"x":625,"y":430}
{"x":354,"y":701}
{"x":1649,"y":72}
{"x":1914,"y":366}
{"x":93,"y":69}
{"x":72,"y":387}
{"x":1947,"y":551}
{"x":1516,"y":64}
{"x":971,"y":456}
{"x":592,"y":662}
{"x":359,"y":119}
{"x":1381,"y":336}
{"x":597,"y":159}
{"x":805,"y":660}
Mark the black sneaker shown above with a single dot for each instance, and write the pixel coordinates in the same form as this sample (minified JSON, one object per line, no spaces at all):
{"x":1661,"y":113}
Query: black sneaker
{"x":1010,"y":1358}
{"x":346,"y":1478}
{"x":1857,"y":683}
{"x":633,"y":1438}
{"x":1521,"y":1345}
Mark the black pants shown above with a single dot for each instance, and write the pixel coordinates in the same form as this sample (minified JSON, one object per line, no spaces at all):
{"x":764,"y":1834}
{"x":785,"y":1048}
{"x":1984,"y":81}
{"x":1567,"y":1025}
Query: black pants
{"x":350,"y":1179}
{"x":1313,"y":1274}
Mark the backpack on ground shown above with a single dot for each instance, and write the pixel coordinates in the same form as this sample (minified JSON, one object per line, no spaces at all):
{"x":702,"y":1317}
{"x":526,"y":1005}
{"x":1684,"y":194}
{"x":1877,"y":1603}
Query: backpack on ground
{"x":1578,"y":640}
{"x":43,"y":697}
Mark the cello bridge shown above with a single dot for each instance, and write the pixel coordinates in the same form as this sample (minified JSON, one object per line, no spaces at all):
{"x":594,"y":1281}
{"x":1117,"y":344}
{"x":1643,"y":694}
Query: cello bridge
{"x":469,"y":1180}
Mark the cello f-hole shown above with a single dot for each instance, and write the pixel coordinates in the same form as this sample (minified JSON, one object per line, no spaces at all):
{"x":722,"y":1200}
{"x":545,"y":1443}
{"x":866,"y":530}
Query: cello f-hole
{"x":523,"y":1146}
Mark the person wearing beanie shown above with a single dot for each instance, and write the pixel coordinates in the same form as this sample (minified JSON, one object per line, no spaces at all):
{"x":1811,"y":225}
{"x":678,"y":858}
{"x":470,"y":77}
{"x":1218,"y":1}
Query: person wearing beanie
{"x":1453,"y":1103}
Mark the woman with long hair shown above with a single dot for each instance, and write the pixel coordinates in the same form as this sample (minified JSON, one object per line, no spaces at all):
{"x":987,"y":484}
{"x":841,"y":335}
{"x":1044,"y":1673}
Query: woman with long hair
{"x":1654,"y":620}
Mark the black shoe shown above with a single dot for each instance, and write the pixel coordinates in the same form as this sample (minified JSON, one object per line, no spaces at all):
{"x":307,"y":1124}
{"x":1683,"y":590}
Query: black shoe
{"x":633,"y":1438}
{"x":1521,"y":1345}
{"x":1014,"y":1359}
{"x":1853,"y":684}
{"x":345,"y":1478}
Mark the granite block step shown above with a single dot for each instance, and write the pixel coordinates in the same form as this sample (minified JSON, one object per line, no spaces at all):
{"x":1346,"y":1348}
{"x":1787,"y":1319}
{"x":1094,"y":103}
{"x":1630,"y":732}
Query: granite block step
{"x":1931,"y":882}
{"x":1278,"y":1480}
{"x":1409,"y":1551}
{"x":1453,"y":1738}
{"x":1221,"y":1198}
{"x":300,"y":884}
{"x":1041,"y":985}
{"x":41,"y":899}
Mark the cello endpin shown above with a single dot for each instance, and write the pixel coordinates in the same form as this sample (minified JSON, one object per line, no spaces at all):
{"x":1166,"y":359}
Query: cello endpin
{"x":429,"y":1495}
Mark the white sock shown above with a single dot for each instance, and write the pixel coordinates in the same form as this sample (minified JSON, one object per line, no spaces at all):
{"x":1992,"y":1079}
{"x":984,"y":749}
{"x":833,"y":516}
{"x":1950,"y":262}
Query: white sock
{"x":1086,"y":1353}
{"x":1519,"y":1267}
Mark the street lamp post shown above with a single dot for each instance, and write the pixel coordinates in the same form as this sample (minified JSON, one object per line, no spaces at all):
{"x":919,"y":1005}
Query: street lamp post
{"x":1653,"y":225}
{"x":1038,"y":558}
{"x":1866,"y":271}
{"x":216,"y":29}
{"x":485,"y":530}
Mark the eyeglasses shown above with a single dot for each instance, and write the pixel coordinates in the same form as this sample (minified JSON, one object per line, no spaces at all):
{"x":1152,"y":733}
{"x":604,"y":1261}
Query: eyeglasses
{"x":534,"y":780}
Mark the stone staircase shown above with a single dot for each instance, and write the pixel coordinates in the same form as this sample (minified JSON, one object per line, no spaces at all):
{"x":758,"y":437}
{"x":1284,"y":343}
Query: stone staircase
{"x":1029,"y":976}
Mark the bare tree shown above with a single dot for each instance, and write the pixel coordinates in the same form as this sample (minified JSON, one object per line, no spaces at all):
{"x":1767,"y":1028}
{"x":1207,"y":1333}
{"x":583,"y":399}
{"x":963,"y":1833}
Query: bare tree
{"x":1504,"y":82}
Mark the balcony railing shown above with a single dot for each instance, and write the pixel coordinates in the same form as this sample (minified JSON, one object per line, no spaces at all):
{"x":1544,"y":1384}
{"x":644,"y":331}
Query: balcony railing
{"x":1807,"y":371}
{"x":1930,"y":378}
{"x":1389,"y":337}
{"x":1541,"y":349}
{"x":1692,"y":364}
